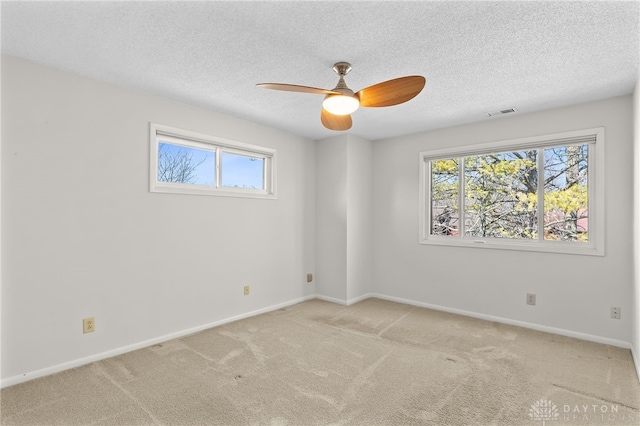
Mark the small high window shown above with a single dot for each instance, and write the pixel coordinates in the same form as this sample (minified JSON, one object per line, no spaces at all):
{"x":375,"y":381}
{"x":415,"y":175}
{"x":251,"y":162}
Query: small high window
{"x":192,"y":163}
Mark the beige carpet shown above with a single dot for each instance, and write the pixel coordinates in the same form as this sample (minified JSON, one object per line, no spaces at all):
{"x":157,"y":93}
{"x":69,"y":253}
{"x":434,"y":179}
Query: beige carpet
{"x":317,"y":363}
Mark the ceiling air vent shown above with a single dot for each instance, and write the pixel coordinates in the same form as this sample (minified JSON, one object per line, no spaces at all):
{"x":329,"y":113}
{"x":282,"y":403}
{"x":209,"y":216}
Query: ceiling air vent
{"x":501,"y":112}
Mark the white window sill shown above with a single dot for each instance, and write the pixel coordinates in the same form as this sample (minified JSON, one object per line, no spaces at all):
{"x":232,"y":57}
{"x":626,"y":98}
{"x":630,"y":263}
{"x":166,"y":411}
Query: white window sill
{"x":584,"y":249}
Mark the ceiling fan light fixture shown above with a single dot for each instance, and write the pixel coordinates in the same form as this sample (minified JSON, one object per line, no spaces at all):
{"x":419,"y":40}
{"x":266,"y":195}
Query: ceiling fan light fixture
{"x":340,"y":104}
{"x":341,"y":101}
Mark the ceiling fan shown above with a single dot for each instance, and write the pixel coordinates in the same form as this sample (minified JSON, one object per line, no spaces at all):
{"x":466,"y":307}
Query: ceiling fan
{"x":341,"y":101}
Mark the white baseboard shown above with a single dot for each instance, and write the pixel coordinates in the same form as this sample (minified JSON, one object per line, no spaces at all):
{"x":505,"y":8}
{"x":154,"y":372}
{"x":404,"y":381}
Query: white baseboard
{"x":538,"y":327}
{"x":331,"y":299}
{"x":344,"y":302}
{"x":636,"y":360}
{"x":359,"y":299}
{"x":124,"y":349}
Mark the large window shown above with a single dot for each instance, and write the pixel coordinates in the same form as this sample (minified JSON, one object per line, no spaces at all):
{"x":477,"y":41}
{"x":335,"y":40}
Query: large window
{"x":192,"y":163}
{"x":542,"y":194}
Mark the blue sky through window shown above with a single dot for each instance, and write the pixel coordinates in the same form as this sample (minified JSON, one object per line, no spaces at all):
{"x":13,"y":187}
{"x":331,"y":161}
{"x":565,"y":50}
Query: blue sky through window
{"x":197,"y":166}
{"x":182,"y":164}
{"x":242,"y":171}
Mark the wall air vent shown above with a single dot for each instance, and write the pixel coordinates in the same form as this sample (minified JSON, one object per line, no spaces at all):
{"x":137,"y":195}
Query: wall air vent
{"x":501,"y":112}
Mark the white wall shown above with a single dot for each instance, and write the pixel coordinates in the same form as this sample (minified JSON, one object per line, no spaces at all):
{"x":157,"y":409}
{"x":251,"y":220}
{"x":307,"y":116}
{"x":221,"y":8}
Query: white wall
{"x":331,"y":218}
{"x":574,"y":293}
{"x":635,"y":335}
{"x":1,"y":221}
{"x":83,"y":236}
{"x":359,"y":218}
{"x":344,"y":222}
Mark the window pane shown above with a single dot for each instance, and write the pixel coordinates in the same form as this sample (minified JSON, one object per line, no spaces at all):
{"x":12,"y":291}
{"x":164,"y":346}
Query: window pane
{"x":501,"y":195}
{"x":566,"y":207}
{"x":182,"y":164}
{"x":445,"y":182}
{"x":242,"y":171}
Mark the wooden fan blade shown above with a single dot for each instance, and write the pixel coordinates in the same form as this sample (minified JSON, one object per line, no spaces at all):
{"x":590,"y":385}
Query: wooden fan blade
{"x":391,"y":92}
{"x":335,"y":122}
{"x":296,"y":88}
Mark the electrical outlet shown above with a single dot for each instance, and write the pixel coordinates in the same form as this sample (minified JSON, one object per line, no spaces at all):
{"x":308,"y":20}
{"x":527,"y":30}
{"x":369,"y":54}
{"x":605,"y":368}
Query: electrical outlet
{"x":615,"y":312}
{"x":309,"y":278}
{"x":88,"y":325}
{"x":531,"y":299}
{"x":246,"y":290}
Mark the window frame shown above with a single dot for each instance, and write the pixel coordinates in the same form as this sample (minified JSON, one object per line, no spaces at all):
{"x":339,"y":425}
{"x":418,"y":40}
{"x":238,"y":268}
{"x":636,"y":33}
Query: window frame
{"x":593,"y":137}
{"x":176,"y":136}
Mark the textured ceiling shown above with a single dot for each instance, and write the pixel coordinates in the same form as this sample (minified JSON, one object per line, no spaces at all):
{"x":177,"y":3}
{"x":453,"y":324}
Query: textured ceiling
{"x":476,"y":56}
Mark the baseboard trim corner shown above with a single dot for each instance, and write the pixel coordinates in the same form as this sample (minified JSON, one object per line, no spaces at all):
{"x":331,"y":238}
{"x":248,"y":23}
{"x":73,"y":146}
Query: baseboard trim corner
{"x":31,"y":375}
{"x":344,"y":302}
{"x":332,"y":300}
{"x":359,"y":299}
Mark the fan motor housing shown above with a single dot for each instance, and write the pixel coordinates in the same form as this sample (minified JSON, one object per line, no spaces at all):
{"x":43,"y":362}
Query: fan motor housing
{"x":342,"y":68}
